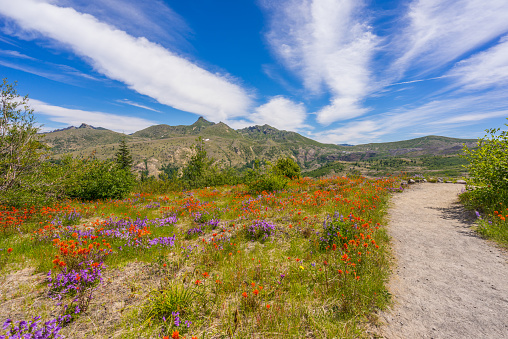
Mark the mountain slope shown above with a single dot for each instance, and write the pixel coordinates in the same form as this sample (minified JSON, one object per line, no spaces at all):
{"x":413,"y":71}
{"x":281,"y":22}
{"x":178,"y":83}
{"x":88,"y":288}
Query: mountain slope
{"x":166,"y":144}
{"x":77,"y":138}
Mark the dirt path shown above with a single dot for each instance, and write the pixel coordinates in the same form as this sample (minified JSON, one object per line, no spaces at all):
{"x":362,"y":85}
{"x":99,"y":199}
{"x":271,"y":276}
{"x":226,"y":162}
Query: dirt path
{"x":447,"y":282}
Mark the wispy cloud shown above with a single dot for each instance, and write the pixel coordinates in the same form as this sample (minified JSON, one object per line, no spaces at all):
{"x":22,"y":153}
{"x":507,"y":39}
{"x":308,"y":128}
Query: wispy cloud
{"x":330,"y":46}
{"x":440,"y":32}
{"x":438,"y":115}
{"x":153,"y":19}
{"x":75,"y":117}
{"x":135,"y":104}
{"x":61,"y":73}
{"x":473,"y":118}
{"x":16,"y":54}
{"x":485,"y":69}
{"x":144,"y":66}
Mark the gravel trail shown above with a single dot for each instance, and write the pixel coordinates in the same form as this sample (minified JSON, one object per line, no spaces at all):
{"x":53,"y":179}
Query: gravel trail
{"x":447,"y":282}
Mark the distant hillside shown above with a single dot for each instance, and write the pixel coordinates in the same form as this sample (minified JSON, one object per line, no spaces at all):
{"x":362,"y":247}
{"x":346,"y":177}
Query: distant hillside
{"x":165,"y":144}
{"x":167,"y":131}
{"x":266,"y":132}
{"x":72,"y":138}
{"x":429,"y":145}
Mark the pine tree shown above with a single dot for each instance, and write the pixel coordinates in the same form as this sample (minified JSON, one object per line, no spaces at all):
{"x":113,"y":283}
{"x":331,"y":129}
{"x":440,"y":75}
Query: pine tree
{"x":123,"y":157}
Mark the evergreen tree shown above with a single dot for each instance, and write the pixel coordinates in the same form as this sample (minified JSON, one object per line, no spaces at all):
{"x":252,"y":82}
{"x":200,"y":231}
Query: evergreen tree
{"x":123,"y":157}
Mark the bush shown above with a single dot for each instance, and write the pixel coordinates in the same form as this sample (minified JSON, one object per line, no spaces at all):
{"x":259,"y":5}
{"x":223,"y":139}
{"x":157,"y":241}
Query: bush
{"x":268,"y":182}
{"x":288,"y":168}
{"x":163,"y":184}
{"x":488,"y":185}
{"x":99,"y":179}
{"x":488,"y":164}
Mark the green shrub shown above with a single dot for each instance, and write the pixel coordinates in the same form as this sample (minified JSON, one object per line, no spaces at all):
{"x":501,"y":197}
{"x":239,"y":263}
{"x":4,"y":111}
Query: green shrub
{"x":98,"y":179}
{"x":288,"y":168}
{"x":163,"y":184}
{"x":488,"y":164}
{"x":488,"y":183}
{"x":268,"y":182}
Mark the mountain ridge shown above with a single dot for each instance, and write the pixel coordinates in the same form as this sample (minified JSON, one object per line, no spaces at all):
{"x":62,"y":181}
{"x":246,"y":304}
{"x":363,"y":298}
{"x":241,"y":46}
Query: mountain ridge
{"x":172,"y":145}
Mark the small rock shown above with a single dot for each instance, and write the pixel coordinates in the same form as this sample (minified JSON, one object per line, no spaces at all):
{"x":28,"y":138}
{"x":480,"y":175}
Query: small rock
{"x":460,"y":182}
{"x":411,"y":181}
{"x":424,"y":180}
{"x":403,"y":183}
{"x":439,"y":179}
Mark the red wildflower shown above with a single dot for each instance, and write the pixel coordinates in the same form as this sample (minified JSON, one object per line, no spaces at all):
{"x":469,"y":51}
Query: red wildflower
{"x":9,"y":250}
{"x":175,"y":335}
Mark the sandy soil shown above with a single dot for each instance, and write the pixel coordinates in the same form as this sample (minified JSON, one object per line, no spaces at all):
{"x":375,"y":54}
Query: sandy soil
{"x":447,"y":282}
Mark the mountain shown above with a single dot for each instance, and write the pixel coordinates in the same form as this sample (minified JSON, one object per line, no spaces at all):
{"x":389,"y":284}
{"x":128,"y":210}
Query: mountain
{"x":70,"y":139}
{"x":266,"y":132}
{"x":431,"y":145}
{"x":165,"y":144}
{"x":167,"y":131}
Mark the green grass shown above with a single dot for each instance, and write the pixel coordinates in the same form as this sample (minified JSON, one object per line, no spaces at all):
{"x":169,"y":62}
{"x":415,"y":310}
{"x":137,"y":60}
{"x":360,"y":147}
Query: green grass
{"x":225,"y":283}
{"x":491,"y":207}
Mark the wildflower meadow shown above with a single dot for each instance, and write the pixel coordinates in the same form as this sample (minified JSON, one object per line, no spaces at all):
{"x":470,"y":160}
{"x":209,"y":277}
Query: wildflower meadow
{"x":308,"y":261}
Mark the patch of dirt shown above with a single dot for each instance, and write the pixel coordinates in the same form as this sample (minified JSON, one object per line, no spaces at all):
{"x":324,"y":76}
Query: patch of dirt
{"x":23,"y":295}
{"x":447,"y":282}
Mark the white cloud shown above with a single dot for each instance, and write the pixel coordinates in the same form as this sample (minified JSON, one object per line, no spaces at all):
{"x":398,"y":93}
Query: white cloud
{"x":438,"y":115}
{"x":484,"y":69}
{"x":135,"y":104}
{"x":75,"y":117}
{"x":342,"y":108}
{"x":439,"y":32}
{"x":153,"y":19}
{"x":330,"y":47}
{"x":280,"y":113}
{"x":144,"y":66}
{"x":16,"y":54}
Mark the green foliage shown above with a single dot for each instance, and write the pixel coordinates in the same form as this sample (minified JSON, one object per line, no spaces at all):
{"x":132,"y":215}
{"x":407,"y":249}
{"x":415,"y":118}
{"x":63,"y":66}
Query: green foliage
{"x":488,"y":164}
{"x":162,"y":303}
{"x":98,"y":179}
{"x":335,"y":167}
{"x":123,"y":157}
{"x":163,"y":184}
{"x":197,"y":173}
{"x":268,"y":182}
{"x":170,"y":170}
{"x":288,"y":168}
{"x":488,"y":184}
{"x":23,"y":174}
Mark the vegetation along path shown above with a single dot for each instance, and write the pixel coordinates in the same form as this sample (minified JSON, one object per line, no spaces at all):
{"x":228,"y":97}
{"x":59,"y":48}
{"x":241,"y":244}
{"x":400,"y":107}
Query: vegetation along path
{"x":447,"y":282}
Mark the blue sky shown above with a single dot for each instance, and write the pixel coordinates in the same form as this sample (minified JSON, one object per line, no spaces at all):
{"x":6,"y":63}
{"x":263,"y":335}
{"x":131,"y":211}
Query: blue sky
{"x":337,"y":71}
